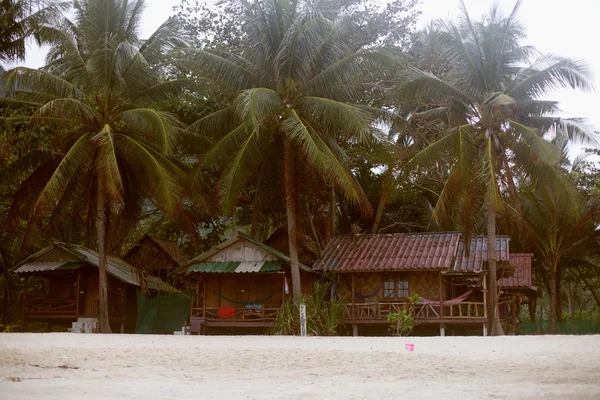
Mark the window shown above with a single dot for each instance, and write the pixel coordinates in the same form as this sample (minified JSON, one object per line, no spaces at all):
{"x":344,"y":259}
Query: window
{"x":395,"y":285}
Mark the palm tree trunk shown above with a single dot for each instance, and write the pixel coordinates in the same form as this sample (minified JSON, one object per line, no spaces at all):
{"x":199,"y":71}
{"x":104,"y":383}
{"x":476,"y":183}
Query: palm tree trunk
{"x":311,"y":226}
{"x":5,"y":300}
{"x":103,"y":320}
{"x":331,"y":211}
{"x":587,"y":284}
{"x":559,"y":302}
{"x":493,"y":312}
{"x":386,"y":188}
{"x":291,"y":200}
{"x":553,"y":300}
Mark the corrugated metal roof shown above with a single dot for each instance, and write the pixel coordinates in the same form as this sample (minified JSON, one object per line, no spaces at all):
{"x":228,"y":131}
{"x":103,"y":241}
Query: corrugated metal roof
{"x":235,"y":267}
{"x":522,"y":276}
{"x":222,"y":246}
{"x":478,"y":253}
{"x":47,"y":266}
{"x":115,"y":266}
{"x":389,"y":252}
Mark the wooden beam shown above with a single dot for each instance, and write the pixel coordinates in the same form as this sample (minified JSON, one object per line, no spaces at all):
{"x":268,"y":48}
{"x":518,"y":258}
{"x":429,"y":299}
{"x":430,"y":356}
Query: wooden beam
{"x":441,"y":298}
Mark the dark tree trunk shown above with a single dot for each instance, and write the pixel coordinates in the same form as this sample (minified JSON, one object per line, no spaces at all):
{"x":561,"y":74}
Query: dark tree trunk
{"x":5,"y":300}
{"x":532,"y":306}
{"x":291,"y":201}
{"x":553,"y":300}
{"x":587,"y":285}
{"x":559,"y":299}
{"x":386,"y":188}
{"x":103,"y":319}
{"x":331,"y":211}
{"x":311,"y":226}
{"x":493,"y":312}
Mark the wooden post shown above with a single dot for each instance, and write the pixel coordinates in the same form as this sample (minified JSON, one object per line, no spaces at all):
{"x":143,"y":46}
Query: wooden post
{"x":77,"y":296}
{"x":204,"y":305}
{"x":442,"y":330}
{"x":354,"y":330}
{"x":204,"y":298}
{"x":352,"y":304}
{"x":441,"y":298}
{"x":197,"y":297}
{"x":24,"y":299}
{"x":484,"y":291}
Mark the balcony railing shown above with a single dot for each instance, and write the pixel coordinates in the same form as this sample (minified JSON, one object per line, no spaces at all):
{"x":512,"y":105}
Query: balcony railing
{"x":422,"y":312}
{"x":237,"y":315}
{"x":49,"y":307}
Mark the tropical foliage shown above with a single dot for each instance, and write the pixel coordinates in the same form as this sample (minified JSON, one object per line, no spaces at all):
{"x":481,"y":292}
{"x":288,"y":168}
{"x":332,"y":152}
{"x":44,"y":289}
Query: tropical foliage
{"x":295,"y":120}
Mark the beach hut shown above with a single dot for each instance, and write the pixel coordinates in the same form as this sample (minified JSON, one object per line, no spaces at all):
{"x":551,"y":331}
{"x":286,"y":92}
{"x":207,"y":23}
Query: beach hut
{"x":240,"y":284}
{"x":378,"y":273}
{"x":156,"y":256}
{"x":61,"y":288}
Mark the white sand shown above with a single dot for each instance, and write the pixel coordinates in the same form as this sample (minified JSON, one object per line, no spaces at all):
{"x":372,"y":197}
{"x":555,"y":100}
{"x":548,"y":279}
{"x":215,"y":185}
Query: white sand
{"x":75,"y":366}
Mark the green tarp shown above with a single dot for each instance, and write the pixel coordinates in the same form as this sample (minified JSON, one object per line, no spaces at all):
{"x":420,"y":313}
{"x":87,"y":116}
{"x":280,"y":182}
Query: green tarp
{"x":162,"y":314}
{"x":575,"y":327}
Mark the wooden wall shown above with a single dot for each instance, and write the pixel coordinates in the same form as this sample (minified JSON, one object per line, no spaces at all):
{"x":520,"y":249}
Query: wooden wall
{"x":242,"y":250}
{"x":425,"y":283}
{"x":243,"y":288}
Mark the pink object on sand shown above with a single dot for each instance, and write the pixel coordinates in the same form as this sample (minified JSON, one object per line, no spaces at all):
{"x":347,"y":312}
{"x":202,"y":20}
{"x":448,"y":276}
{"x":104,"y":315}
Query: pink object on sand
{"x":409,"y":347}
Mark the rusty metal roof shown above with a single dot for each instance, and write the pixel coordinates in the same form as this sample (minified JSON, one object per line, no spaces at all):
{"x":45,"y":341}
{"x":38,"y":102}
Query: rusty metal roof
{"x":478,"y":253}
{"x":522,"y":276}
{"x":390,"y":252}
{"x":62,"y":256}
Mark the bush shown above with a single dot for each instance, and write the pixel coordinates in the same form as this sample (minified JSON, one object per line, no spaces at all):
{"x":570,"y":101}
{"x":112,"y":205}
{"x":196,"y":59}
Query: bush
{"x":403,"y":319}
{"x":323,"y":316}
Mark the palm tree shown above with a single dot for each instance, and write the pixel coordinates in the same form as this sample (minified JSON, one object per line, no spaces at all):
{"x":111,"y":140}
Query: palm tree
{"x":295,"y":87}
{"x":491,"y":102}
{"x":113,"y":148}
{"x":20,"y":19}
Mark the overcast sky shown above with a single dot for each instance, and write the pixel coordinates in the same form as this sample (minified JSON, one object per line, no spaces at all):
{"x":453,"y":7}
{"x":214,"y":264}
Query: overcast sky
{"x":567,"y":28}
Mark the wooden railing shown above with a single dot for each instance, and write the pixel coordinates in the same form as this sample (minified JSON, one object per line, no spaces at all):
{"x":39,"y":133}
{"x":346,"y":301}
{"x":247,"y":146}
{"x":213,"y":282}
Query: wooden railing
{"x":240,"y":314}
{"x":49,"y":308}
{"x":380,"y":311}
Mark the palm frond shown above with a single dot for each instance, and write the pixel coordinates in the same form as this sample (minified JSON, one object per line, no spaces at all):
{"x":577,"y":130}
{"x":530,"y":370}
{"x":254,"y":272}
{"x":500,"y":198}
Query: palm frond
{"x":106,"y":164}
{"x":161,"y":128}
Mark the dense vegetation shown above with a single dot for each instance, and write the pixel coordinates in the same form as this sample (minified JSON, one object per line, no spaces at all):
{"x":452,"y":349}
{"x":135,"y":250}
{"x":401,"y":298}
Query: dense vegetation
{"x":294,"y":120}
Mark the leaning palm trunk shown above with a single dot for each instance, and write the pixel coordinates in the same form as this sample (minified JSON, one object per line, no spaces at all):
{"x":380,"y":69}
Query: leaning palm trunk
{"x":290,"y":205}
{"x":103,"y":320}
{"x":493,"y":312}
{"x":386,"y":188}
{"x":553,"y":299}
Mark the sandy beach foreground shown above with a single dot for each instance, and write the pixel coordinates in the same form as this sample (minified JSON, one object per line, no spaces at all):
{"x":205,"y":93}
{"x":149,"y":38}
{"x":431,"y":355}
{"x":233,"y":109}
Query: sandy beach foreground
{"x":72,"y":366}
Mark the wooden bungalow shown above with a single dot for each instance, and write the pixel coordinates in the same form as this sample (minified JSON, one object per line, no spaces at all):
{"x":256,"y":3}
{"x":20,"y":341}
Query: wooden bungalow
{"x":240,"y":283}
{"x":156,"y":256}
{"x":377,"y":274}
{"x":63,"y":287}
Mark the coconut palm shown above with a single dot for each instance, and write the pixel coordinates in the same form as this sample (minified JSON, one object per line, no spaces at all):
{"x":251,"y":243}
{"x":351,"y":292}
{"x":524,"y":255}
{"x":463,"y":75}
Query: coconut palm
{"x":97,"y":91}
{"x":20,"y":19}
{"x":491,"y":102}
{"x":295,"y":87}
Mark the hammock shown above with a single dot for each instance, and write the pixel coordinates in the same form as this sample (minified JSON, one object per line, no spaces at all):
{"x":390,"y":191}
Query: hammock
{"x":364,"y":296}
{"x":455,"y":300}
{"x":245,"y":303}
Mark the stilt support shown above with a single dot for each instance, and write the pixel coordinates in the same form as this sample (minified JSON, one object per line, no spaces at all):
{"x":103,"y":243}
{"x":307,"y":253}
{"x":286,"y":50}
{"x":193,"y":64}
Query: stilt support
{"x":442,"y":330}
{"x":354,"y":330}
{"x":485,"y":332}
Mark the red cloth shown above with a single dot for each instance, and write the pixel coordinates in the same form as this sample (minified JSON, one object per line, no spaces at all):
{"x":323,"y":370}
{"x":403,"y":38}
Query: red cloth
{"x":226,"y":312}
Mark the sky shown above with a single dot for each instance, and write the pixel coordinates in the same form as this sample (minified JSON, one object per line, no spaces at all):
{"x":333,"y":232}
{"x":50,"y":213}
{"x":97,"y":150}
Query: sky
{"x":566,"y":28}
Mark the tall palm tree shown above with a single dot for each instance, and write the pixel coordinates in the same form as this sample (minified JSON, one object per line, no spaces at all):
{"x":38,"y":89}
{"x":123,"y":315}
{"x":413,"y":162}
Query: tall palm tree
{"x":20,"y":19}
{"x":491,"y":102}
{"x":97,"y":91}
{"x":296,"y":86}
